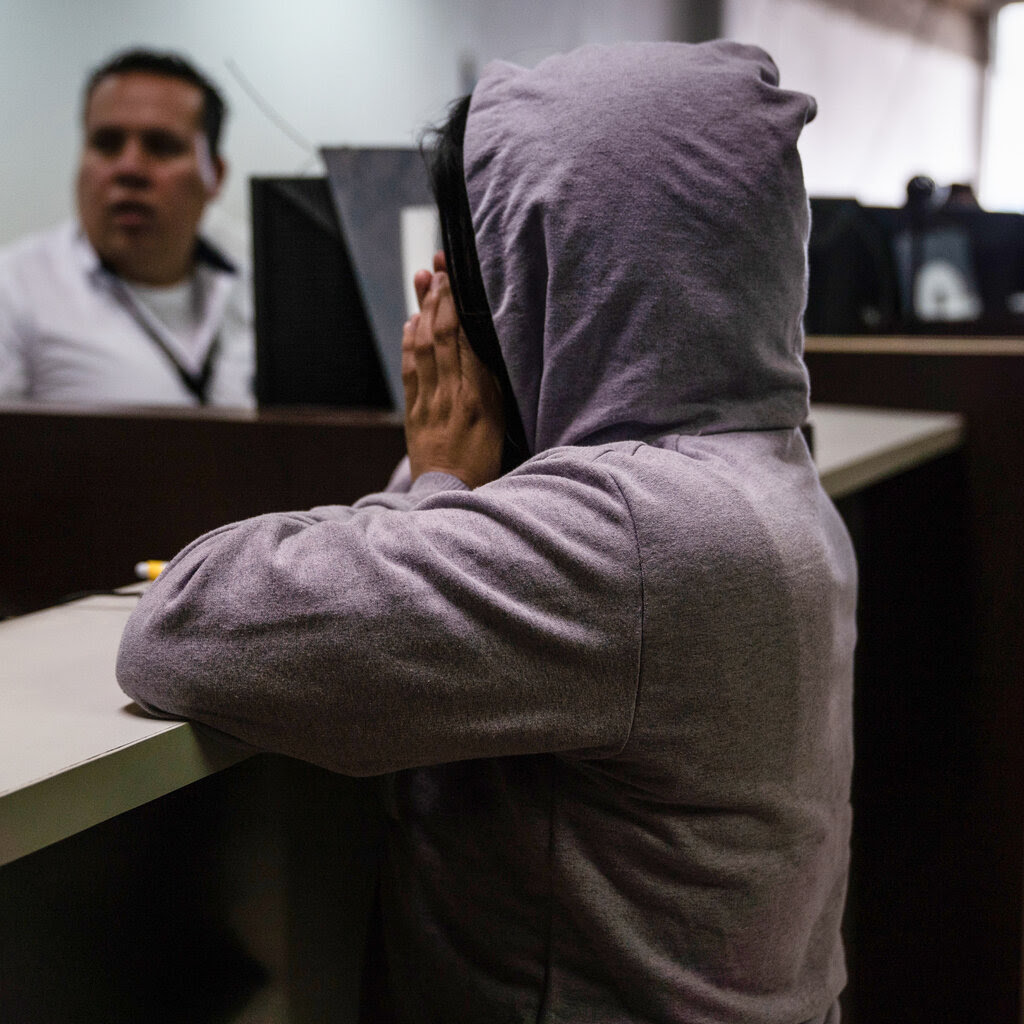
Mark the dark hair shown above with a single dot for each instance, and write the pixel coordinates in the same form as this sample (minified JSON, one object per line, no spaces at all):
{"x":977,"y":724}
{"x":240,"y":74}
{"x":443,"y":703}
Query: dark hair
{"x":167,"y":65}
{"x":443,"y":151}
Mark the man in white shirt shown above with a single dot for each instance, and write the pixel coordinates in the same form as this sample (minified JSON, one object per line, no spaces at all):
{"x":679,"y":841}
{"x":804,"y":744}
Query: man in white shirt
{"x":128,"y":304}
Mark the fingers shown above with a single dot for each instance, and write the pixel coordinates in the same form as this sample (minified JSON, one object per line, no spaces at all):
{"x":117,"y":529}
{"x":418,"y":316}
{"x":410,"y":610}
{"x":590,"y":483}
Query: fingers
{"x":423,"y":343}
{"x":446,"y":320}
{"x":433,"y":354}
{"x":421,"y":283}
{"x":409,"y":379}
{"x":454,"y":418}
{"x":416,"y":371}
{"x":446,"y":333}
{"x":422,"y":278}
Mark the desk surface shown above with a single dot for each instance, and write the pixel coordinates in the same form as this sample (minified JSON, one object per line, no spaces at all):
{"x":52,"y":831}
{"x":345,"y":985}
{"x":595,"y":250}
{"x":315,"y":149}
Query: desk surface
{"x":856,"y":447}
{"x":914,"y":344}
{"x":73,"y":749}
{"x":74,"y":752}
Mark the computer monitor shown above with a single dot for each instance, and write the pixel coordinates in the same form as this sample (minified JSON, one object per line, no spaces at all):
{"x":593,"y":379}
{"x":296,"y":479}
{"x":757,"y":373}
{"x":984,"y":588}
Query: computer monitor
{"x":879,"y":270}
{"x":333,"y":259}
{"x":314,"y":344}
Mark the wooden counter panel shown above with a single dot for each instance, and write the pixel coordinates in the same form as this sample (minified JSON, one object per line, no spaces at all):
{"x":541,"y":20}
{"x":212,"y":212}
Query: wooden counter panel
{"x":90,"y":493}
{"x":980,"y":541}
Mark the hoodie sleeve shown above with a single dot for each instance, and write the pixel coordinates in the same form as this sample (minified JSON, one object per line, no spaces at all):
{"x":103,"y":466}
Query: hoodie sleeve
{"x":411,"y":629}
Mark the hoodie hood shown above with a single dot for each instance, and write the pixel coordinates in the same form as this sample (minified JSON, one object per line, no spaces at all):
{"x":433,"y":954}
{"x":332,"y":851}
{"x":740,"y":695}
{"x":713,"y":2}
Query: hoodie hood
{"x":641,"y":224}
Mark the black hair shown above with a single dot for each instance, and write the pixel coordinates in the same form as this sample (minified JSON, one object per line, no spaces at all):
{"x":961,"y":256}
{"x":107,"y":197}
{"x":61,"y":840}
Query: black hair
{"x":166,"y":65}
{"x":443,"y":151}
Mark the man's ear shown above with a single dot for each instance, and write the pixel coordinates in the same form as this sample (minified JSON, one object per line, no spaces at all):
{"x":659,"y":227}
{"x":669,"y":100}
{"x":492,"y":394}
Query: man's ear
{"x":220,"y":171}
{"x":212,"y":170}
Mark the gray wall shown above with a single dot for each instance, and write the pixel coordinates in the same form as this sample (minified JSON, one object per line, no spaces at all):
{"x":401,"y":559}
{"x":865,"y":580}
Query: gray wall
{"x":895,"y":97}
{"x":892,"y":104}
{"x":336,"y":71}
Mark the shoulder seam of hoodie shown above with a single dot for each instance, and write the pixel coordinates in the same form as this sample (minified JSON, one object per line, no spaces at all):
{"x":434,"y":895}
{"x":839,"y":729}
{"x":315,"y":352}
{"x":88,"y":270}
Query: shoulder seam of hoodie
{"x":643,"y":592}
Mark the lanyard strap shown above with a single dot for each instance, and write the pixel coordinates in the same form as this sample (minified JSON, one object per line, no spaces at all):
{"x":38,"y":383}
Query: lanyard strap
{"x":197,"y":383}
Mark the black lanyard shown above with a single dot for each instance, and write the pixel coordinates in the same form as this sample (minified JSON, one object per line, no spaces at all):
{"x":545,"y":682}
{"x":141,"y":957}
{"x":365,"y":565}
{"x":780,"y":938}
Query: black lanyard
{"x":197,"y":383}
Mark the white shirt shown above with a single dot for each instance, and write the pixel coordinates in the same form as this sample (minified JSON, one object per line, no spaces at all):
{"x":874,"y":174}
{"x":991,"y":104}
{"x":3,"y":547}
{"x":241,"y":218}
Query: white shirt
{"x":73,"y":332}
{"x":178,"y":309}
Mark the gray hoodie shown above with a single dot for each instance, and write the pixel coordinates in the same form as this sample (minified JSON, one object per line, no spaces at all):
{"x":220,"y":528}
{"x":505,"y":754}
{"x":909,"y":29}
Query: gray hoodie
{"x":615,"y":683}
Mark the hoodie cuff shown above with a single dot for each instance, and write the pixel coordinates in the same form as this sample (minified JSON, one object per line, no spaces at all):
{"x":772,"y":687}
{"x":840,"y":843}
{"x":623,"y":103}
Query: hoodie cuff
{"x":431,"y":483}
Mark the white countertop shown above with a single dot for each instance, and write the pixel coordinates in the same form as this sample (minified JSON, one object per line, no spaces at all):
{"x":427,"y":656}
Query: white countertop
{"x":74,"y":751}
{"x":856,"y":447}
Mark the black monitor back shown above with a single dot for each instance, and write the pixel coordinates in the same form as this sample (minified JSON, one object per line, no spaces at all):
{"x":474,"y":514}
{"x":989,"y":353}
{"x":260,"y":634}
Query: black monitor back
{"x":314,"y":344}
{"x":866,"y":265}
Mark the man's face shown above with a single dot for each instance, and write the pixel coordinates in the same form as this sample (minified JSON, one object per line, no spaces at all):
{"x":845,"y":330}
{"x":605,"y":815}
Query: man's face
{"x":145,"y":175}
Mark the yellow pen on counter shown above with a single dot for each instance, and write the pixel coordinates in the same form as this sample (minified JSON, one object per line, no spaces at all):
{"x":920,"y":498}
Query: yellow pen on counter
{"x":149,"y":570}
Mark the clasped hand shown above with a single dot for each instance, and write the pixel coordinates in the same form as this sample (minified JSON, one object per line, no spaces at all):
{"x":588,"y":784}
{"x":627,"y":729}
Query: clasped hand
{"x":454,"y":422}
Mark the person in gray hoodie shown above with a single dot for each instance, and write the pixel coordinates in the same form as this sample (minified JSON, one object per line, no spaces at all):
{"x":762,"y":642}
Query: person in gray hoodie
{"x":603,"y":631}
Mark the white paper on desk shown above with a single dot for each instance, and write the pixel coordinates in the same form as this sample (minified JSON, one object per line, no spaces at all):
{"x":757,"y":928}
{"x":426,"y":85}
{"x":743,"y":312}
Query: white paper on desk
{"x":421,"y":238}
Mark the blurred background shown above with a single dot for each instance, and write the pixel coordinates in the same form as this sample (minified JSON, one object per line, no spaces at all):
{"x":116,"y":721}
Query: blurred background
{"x":922,"y":91}
{"x":905,"y":87}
